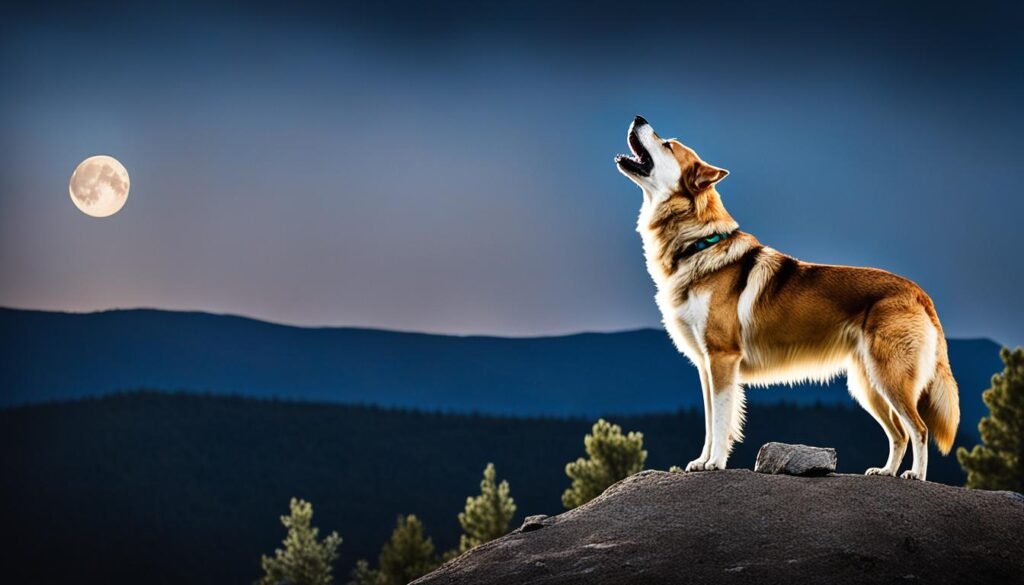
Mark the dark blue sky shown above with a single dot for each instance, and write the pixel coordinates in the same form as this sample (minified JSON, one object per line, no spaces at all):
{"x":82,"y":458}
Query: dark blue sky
{"x":449,"y":167}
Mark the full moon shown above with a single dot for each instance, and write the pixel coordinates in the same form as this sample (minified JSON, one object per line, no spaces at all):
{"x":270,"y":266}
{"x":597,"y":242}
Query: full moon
{"x":99,"y":186}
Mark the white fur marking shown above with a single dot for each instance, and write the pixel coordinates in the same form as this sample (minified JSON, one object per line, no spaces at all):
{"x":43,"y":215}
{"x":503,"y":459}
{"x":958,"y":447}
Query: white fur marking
{"x":722,"y":418}
{"x":765,"y":267}
{"x":927,"y":359}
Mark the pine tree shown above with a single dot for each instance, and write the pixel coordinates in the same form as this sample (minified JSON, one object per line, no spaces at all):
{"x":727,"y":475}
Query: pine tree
{"x":304,"y":560}
{"x":407,"y":555}
{"x":999,"y":463}
{"x":486,"y":516}
{"x":612,"y":457}
{"x":362,"y":574}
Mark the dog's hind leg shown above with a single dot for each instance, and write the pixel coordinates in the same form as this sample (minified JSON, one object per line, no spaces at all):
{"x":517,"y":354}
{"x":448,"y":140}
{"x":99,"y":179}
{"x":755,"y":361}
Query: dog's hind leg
{"x":899,"y":355}
{"x":906,"y":410}
{"x":876,"y":405}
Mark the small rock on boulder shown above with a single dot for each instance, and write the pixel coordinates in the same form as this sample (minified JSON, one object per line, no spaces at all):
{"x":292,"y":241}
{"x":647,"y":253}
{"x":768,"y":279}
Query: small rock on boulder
{"x":533,"y":523}
{"x":781,"y":458}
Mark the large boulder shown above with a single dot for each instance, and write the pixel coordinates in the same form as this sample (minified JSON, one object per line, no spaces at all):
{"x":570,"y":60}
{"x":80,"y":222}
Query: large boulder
{"x":742,"y":527}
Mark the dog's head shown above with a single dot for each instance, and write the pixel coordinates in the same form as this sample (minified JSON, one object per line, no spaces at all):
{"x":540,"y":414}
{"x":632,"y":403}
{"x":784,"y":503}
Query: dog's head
{"x":664,"y":168}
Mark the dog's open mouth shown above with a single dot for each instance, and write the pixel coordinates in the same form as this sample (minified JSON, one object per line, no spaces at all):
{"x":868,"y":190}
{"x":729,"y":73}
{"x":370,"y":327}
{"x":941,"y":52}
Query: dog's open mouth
{"x":640,"y":162}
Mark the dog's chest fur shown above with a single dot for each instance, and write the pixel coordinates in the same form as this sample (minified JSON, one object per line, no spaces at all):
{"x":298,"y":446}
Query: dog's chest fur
{"x":684,"y":316}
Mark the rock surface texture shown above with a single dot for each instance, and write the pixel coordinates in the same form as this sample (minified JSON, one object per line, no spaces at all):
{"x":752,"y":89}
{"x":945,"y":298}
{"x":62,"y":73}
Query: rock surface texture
{"x":795,"y":459}
{"x":742,"y":527}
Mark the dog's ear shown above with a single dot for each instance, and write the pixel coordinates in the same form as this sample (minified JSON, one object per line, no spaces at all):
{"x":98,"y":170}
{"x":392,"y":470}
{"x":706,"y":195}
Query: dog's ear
{"x":704,"y":176}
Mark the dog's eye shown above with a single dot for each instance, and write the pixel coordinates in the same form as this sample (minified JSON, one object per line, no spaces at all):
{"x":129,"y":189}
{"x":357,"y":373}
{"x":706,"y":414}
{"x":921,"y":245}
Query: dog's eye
{"x":667,"y":145}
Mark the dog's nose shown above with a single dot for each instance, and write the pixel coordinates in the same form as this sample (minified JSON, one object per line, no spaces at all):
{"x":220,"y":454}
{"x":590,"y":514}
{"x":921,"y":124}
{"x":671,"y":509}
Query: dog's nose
{"x":639,"y":121}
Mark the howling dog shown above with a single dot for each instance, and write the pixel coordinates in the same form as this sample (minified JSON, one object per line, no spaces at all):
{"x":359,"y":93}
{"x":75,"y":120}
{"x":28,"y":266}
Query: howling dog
{"x":744,"y":313}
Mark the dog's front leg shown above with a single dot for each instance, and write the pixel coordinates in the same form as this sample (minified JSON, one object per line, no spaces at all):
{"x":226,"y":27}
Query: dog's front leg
{"x":705,"y":454}
{"x":725,"y":397}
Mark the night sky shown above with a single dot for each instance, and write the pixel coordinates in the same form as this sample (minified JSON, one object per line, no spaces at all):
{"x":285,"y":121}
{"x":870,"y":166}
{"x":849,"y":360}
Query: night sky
{"x":448,"y":168}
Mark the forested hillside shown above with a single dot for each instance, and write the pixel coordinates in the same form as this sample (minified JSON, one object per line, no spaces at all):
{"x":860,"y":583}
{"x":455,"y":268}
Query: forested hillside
{"x":176,"y":488}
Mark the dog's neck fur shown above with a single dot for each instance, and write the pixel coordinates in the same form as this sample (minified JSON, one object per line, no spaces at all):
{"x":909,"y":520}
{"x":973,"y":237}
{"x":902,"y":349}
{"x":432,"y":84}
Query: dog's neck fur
{"x":668,"y":225}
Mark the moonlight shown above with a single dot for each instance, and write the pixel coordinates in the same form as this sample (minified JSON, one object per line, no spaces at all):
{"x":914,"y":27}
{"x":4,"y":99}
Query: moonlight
{"x":99,"y":186}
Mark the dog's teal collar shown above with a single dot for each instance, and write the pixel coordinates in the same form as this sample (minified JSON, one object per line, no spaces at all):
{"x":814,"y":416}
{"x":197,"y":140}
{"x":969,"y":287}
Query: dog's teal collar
{"x":706,"y":242}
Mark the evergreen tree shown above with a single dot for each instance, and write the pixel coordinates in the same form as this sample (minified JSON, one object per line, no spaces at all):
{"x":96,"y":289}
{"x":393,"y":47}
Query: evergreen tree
{"x":407,"y":555}
{"x":612,"y":457}
{"x":363,"y":574}
{"x":486,"y":516}
{"x":304,"y":560}
{"x":999,"y":463}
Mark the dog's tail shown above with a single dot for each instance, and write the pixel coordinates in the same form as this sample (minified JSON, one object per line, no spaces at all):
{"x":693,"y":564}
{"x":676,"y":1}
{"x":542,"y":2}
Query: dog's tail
{"x":939,"y":405}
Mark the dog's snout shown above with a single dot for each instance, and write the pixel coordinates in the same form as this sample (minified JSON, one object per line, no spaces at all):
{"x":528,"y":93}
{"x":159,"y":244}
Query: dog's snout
{"x":639,"y":121}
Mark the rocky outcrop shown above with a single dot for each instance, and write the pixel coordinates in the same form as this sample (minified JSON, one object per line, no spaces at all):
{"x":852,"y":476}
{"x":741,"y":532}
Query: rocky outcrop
{"x":795,"y":459}
{"x":742,"y":527}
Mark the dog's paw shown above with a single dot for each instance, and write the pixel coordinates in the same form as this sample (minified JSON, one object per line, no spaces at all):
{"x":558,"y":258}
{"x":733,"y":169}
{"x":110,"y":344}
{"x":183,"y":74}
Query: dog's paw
{"x":696,"y":465}
{"x":908,"y":474}
{"x":714,"y":465}
{"x":879,"y":471}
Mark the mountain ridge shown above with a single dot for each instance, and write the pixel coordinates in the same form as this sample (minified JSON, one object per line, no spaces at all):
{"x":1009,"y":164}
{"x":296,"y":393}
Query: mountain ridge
{"x":581,"y":374}
{"x":274,"y":323}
